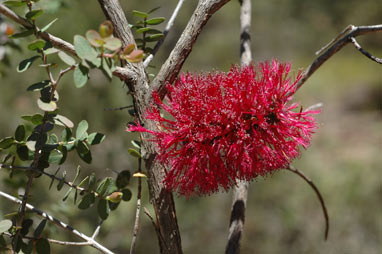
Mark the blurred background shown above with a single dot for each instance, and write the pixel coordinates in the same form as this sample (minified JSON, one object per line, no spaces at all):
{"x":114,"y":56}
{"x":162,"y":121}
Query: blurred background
{"x":283,"y":213}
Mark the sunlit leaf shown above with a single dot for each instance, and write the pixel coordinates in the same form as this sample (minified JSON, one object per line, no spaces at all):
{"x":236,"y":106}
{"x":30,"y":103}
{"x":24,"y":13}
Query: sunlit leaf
{"x":48,"y":25}
{"x":106,"y":29}
{"x":66,"y":58}
{"x":134,"y":152}
{"x":5,"y":225}
{"x":26,"y":63}
{"x":140,"y":14}
{"x":39,"y":85}
{"x":81,"y":130}
{"x":155,"y":21}
{"x":80,"y":76}
{"x":49,"y":107}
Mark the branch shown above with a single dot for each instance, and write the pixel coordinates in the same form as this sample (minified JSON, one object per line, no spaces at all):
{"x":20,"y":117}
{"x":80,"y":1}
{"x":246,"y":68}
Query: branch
{"x":335,"y":45}
{"x":122,"y":73}
{"x":367,"y":54}
{"x":315,"y":189}
{"x":165,"y":32}
{"x":137,"y":213}
{"x":59,"y":223}
{"x":239,"y":203}
{"x":171,"y":68}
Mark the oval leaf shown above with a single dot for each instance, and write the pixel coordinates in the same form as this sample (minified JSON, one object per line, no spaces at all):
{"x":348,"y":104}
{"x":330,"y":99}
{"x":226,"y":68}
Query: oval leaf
{"x":106,"y":29}
{"x":66,"y":58}
{"x":32,"y":15}
{"x":86,"y":201}
{"x":155,"y":21}
{"x":94,"y":38}
{"x":42,"y":246}
{"x":123,"y":179}
{"x":5,"y":225}
{"x":48,"y":107}
{"x":84,"y":50}
{"x":103,"y":209}
{"x":113,"y":43}
{"x":140,"y":14}
{"x":81,"y":130}
{"x":20,"y":133}
{"x":64,"y":121}
{"x":26,"y":63}
{"x":134,"y":152}
{"x":80,"y":76}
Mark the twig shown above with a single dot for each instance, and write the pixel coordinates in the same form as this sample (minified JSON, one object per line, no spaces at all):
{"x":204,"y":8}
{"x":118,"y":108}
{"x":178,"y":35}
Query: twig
{"x":367,"y":54}
{"x":89,"y":240}
{"x":96,"y":231}
{"x":153,"y":222}
{"x":165,"y":32}
{"x":314,"y":187}
{"x":120,"y":108}
{"x":53,"y":241}
{"x":335,"y":45}
{"x":240,"y":192}
{"x":170,"y":69}
{"x":70,"y":184}
{"x":137,"y":213}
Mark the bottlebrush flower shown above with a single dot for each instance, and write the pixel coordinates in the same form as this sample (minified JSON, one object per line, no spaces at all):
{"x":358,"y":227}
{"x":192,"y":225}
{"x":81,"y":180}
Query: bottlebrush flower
{"x":222,"y":127}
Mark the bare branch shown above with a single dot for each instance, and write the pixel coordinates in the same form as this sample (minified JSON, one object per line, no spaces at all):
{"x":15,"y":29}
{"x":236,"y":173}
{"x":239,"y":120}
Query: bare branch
{"x":171,"y":68}
{"x":137,"y":213}
{"x":367,"y":54}
{"x":170,"y":23}
{"x":314,"y":187}
{"x":240,"y":192}
{"x":59,"y":223}
{"x":335,"y":45}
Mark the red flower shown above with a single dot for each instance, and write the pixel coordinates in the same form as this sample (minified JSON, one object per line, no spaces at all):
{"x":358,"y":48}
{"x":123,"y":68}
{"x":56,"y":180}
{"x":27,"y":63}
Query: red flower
{"x":222,"y":127}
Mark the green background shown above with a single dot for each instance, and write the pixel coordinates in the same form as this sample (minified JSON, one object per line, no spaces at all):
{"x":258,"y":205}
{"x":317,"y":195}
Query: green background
{"x":283,"y":214}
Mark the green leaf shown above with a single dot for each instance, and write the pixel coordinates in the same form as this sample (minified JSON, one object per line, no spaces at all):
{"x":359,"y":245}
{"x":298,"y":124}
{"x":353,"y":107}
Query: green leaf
{"x":50,"y":51}
{"x":92,"y":182}
{"x":6,"y":142}
{"x":105,"y":186}
{"x":86,"y":201}
{"x":143,"y":30}
{"x":64,"y":152}
{"x":103,"y":209}
{"x":126,"y":194}
{"x":31,"y":145}
{"x":63,"y":121}
{"x":26,"y":63}
{"x":23,"y":152}
{"x":20,"y":133}
{"x":82,"y":147}
{"x":55,"y":157}
{"x":95,"y":138}
{"x":80,"y":76}
{"x":81,"y":130}
{"x":61,"y":182}
{"x":5,"y":225}
{"x":86,"y":157}
{"x":48,"y":25}
{"x":85,"y":51}
{"x":123,"y":179}
{"x":113,"y":43}
{"x":42,"y":246}
{"x":48,"y":107}
{"x":66,"y":134}
{"x":154,"y":9}
{"x":39,"y":85}
{"x":22,"y":34}
{"x":36,"y":45}
{"x":32,"y":15}
{"x":140,"y":14}
{"x":37,"y":233}
{"x":154,"y":37}
{"x":155,"y":21}
{"x":35,"y":119}
{"x":134,"y":152}
{"x":94,"y":38}
{"x":26,"y":224}
{"x":66,"y":58}
{"x":136,"y":143}
{"x":15,"y":3}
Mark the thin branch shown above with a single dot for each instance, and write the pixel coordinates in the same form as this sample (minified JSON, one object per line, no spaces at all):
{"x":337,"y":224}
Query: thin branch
{"x":96,"y":231}
{"x":335,"y":45}
{"x":53,"y":241}
{"x":171,"y":68}
{"x":367,"y":54}
{"x":315,"y":189}
{"x":68,"y":183}
{"x":89,"y":240}
{"x":240,"y":192}
{"x":153,"y":222}
{"x":165,"y":32}
{"x":120,"y":108}
{"x":137,"y":213}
